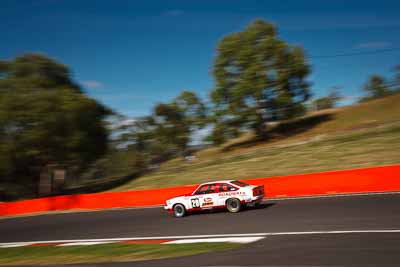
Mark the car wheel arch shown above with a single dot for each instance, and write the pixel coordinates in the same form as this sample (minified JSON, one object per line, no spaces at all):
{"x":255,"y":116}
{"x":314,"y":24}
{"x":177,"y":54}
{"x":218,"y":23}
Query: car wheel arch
{"x":235,"y":200}
{"x":231,"y":198}
{"x":183,"y":213}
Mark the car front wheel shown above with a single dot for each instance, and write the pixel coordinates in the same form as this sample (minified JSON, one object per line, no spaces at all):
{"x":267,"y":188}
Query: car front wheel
{"x":179,"y":210}
{"x":233,"y":205}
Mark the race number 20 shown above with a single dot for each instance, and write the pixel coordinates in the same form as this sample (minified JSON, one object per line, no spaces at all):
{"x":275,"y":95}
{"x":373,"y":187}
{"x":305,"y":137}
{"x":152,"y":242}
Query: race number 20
{"x":195,"y":203}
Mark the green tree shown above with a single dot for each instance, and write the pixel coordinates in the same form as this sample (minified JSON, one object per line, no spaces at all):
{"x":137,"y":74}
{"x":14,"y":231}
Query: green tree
{"x":171,"y":128}
{"x":45,"y":119}
{"x":173,"y":124}
{"x":396,"y":81}
{"x":376,"y":87}
{"x":327,"y":102}
{"x":258,"y":78}
{"x":193,"y":109}
{"x":221,"y":132}
{"x":35,"y":72}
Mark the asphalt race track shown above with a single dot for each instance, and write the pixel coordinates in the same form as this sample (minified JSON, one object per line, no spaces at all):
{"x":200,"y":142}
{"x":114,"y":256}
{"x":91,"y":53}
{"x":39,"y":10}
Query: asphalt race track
{"x":348,"y":213}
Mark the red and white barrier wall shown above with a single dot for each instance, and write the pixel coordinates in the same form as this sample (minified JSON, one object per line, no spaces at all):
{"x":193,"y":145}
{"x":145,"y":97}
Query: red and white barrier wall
{"x":375,"y":179}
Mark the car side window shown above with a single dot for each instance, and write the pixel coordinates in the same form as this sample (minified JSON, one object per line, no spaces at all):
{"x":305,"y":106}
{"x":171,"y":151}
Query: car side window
{"x":202,"y":190}
{"x":226,"y":188}
{"x":212,"y":189}
{"x":206,"y":189}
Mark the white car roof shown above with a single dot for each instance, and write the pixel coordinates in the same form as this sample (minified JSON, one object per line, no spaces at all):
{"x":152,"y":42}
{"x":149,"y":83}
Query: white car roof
{"x":220,"y":181}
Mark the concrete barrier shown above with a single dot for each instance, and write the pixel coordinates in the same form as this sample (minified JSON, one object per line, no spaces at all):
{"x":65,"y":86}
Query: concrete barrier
{"x":374,"y":179}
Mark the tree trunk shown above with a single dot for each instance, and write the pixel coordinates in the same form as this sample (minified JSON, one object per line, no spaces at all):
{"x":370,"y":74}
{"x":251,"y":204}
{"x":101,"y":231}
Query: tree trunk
{"x":260,"y":128}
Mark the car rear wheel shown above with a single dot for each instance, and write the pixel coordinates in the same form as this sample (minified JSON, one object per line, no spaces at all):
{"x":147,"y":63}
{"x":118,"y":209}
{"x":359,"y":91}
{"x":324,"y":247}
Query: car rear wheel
{"x":233,"y":205}
{"x":179,"y":210}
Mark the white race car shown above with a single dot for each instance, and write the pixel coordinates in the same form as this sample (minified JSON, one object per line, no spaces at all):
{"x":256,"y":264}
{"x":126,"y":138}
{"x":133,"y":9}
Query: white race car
{"x":230,"y":194}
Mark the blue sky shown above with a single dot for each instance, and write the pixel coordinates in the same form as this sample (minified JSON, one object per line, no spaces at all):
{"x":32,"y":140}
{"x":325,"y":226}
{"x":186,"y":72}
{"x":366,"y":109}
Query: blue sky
{"x":133,"y":54}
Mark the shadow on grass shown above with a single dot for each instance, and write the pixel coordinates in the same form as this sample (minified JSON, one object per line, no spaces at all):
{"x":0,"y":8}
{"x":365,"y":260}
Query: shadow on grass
{"x":9,"y":193}
{"x":100,"y":185}
{"x":284,"y":130}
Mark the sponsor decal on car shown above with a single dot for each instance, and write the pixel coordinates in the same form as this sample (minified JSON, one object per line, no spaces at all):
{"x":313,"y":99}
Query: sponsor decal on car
{"x":207,"y":202}
{"x":224,"y":194}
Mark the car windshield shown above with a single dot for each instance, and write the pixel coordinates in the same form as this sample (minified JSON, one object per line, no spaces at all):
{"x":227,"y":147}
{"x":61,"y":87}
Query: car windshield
{"x":239,"y":183}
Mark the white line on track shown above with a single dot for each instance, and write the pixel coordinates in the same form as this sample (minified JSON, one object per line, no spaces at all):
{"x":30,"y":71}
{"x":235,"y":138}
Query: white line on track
{"x":132,"y":238}
{"x":242,"y":240}
{"x":83,"y":244}
{"x":14,"y":245}
{"x":335,"y":232}
{"x":198,"y":237}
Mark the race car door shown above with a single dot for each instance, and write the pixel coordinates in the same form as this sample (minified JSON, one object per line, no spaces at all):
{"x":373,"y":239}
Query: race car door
{"x":205,"y":197}
{"x":225,"y":191}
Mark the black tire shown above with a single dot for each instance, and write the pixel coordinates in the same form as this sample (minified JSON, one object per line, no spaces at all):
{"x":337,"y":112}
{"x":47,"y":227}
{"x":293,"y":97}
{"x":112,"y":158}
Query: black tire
{"x":179,"y":211}
{"x":233,"y":205}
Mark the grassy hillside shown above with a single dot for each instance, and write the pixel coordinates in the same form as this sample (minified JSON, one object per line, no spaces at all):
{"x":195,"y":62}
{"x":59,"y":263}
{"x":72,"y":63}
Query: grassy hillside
{"x":362,"y":135}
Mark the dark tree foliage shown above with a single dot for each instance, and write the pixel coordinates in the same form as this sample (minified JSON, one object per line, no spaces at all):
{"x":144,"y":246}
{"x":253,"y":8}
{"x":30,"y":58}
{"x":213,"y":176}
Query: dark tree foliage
{"x":166,"y":133}
{"x":328,"y":101}
{"x":174,"y":123}
{"x":396,"y":80}
{"x":35,"y":72}
{"x":45,"y":119}
{"x":376,"y":87}
{"x":258,"y":78}
{"x":171,"y":127}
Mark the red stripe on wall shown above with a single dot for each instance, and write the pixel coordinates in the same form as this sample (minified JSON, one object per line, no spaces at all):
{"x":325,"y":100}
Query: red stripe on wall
{"x":375,"y":179}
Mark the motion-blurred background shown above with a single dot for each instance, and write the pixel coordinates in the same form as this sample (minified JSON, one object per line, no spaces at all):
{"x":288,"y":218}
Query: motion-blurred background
{"x":101,"y":95}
